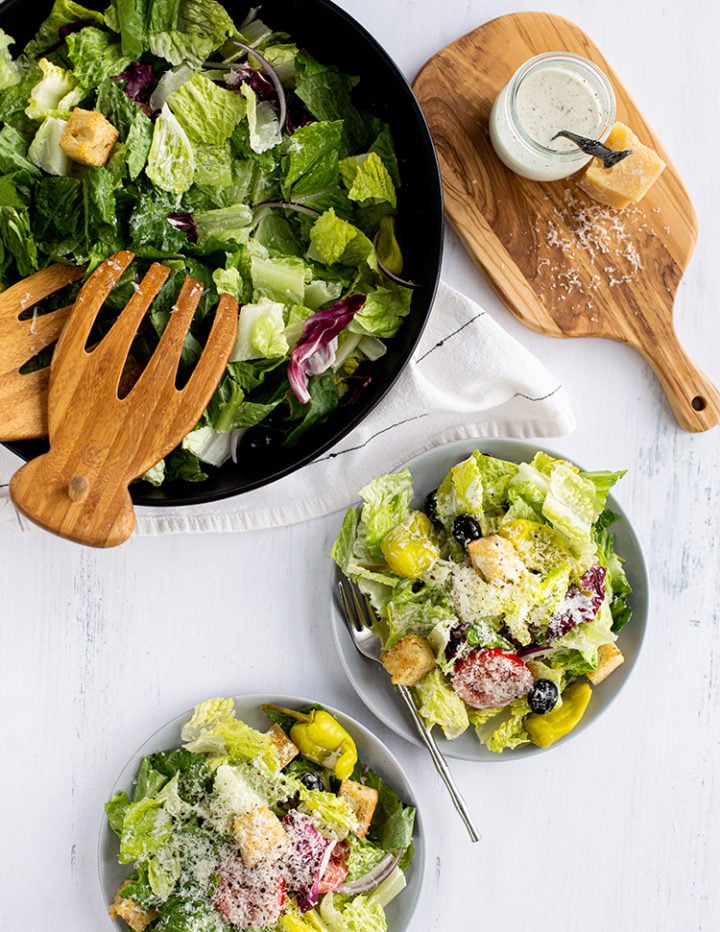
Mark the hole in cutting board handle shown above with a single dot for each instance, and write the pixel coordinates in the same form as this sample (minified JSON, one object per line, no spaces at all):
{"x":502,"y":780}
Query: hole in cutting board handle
{"x":699,"y":403}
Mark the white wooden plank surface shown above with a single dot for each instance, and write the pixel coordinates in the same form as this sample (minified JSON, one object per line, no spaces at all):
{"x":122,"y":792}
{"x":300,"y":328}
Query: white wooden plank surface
{"x":617,"y":829}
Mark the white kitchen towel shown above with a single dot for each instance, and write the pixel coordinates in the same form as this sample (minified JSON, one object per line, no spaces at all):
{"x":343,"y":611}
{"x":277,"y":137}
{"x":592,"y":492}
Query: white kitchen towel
{"x":467,"y":378}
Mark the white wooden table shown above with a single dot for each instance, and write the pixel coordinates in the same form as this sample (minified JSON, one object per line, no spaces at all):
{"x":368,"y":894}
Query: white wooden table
{"x":616,"y":829}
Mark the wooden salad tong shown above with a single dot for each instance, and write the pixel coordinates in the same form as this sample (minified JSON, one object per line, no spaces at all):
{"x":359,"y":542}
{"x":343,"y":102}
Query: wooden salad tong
{"x":100,"y":442}
{"x":23,"y":396}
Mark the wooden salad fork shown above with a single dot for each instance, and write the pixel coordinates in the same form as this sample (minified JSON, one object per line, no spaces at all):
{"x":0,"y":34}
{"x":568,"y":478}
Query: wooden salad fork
{"x":100,"y":442}
{"x":23,"y":396}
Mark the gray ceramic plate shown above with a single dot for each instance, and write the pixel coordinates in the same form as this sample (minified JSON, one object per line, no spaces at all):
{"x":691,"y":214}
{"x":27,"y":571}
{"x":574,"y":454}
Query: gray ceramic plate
{"x":370,"y":750}
{"x":373,"y":685}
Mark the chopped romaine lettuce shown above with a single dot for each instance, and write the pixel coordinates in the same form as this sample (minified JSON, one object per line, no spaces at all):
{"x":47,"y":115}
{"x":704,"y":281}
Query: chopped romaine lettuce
{"x":171,"y":159}
{"x":535,"y":584}
{"x":208,"y":177}
{"x":9,"y":73}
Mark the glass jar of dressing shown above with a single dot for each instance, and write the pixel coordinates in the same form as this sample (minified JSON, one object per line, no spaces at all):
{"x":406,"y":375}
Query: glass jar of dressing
{"x":551,"y":92}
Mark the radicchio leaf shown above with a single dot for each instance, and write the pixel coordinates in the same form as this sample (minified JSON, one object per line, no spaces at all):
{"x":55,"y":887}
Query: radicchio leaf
{"x":309,"y":858}
{"x":581,"y":603}
{"x":185,"y":223}
{"x":139,"y":82}
{"x":260,"y":83}
{"x":315,"y":350}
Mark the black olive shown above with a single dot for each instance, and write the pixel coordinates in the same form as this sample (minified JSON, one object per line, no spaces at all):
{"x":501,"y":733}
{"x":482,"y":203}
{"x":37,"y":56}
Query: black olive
{"x":260,"y":439}
{"x":465,"y":528}
{"x":312,"y":780}
{"x":543,"y":696}
{"x":431,"y":507}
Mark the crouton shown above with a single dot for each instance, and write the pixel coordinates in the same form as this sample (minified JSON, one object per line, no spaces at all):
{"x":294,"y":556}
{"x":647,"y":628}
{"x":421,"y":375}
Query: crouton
{"x":409,"y":660}
{"x":88,"y":137}
{"x":495,"y":558}
{"x":285,"y":749}
{"x":609,"y":658}
{"x":362,"y":800}
{"x":259,"y":835}
{"x":126,"y":909}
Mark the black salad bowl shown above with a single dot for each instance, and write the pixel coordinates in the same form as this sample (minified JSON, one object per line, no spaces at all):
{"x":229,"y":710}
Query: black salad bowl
{"x":334,"y":37}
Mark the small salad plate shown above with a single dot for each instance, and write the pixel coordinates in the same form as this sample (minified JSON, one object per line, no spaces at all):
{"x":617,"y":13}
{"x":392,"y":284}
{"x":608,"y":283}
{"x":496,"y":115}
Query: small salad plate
{"x":373,"y":684}
{"x":370,"y":750}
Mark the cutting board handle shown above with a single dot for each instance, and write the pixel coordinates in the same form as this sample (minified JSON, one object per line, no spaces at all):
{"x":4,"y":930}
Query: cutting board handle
{"x":73,"y":502}
{"x":694,"y":400}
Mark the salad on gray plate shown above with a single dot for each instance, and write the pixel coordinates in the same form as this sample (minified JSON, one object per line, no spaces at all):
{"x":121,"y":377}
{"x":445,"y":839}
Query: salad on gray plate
{"x":500,"y":600}
{"x":282,"y":830}
{"x":233,"y":156}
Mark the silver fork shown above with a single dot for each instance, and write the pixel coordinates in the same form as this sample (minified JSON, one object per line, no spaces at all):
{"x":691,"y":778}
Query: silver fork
{"x":358,"y":615}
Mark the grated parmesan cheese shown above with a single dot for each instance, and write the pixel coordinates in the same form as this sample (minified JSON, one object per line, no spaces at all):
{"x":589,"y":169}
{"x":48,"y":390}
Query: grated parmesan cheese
{"x":578,"y":230}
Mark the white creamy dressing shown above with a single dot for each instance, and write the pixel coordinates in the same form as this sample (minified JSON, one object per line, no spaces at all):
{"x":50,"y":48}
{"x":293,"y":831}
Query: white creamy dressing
{"x":556,"y":92}
{"x":554,"y":98}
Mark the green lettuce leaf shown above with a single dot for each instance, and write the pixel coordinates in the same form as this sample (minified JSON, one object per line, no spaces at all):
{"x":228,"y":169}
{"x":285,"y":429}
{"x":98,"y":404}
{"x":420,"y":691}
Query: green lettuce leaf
{"x":262,"y":121}
{"x":45,"y":151}
{"x":571,"y":505}
{"x":383,"y":312}
{"x":280,"y":279}
{"x":209,"y":445}
{"x":393,"y":822}
{"x":367,"y":179}
{"x":260,"y":331}
{"x":333,"y":811}
{"x":214,"y":729}
{"x":510,"y":733}
{"x":201,"y":27}
{"x":16,"y":238}
{"x":334,"y":240}
{"x":460,"y":492}
{"x":13,"y":152}
{"x":55,"y":94}
{"x":206,"y":112}
{"x":95,"y":56}
{"x":311,"y":165}
{"x":224,"y":224}
{"x":146,"y":828}
{"x":63,"y":13}
{"x":58,"y":216}
{"x":115,"y":810}
{"x":439,"y":704}
{"x":9,"y":73}
{"x":386,"y":501}
{"x":214,"y":166}
{"x":327,"y":94}
{"x":362,"y":914}
{"x":171,"y":160}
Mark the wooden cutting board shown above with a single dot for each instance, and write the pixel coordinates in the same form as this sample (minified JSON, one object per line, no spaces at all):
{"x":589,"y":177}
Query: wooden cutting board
{"x":563,"y":264}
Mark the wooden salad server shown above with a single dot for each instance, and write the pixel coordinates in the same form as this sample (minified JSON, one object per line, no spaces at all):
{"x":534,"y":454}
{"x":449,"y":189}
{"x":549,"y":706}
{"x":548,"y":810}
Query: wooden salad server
{"x":100,"y":442}
{"x":561,"y":264}
{"x":23,"y":396}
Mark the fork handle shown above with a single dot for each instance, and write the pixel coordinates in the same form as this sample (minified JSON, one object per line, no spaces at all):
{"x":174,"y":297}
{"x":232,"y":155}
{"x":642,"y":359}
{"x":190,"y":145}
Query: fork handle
{"x":440,"y":763}
{"x":73,"y":501}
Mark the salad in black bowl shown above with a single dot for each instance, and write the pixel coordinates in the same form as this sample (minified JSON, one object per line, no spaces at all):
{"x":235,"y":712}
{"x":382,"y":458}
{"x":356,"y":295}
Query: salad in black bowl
{"x":274,"y":153}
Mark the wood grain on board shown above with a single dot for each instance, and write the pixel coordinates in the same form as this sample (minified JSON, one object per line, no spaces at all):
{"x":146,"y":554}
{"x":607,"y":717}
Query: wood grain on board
{"x":565,"y":265}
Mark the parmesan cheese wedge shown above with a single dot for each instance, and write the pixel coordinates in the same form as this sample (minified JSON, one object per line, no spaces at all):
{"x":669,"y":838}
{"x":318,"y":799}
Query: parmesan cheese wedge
{"x":629,"y":180}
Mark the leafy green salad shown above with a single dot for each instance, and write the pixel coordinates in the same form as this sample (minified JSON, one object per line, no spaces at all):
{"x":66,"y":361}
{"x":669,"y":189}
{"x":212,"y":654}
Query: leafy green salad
{"x":500,"y":600}
{"x":231,"y":155}
{"x":283,"y":830}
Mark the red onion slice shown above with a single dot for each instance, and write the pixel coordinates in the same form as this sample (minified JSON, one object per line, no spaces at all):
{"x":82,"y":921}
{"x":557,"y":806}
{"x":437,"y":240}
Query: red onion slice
{"x":374,"y":877}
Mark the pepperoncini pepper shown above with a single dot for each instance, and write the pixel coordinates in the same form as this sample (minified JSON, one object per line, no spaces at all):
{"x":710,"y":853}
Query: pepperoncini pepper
{"x":321,"y":739}
{"x":544,"y":730}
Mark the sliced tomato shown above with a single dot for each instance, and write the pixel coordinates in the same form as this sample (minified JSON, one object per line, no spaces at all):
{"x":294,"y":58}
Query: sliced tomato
{"x":249,"y":898}
{"x":488,"y":678}
{"x":336,"y":870}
